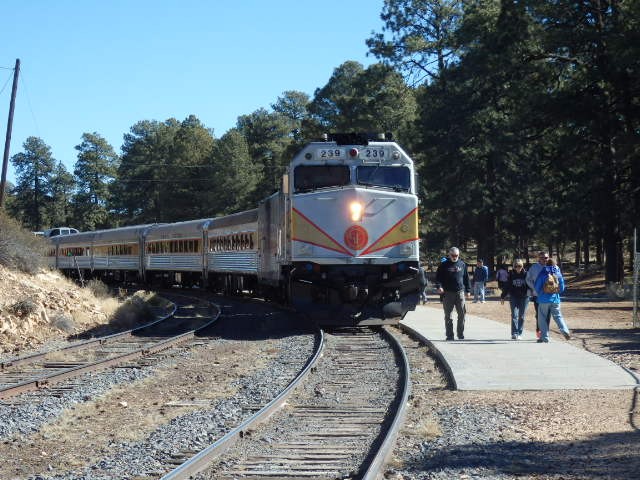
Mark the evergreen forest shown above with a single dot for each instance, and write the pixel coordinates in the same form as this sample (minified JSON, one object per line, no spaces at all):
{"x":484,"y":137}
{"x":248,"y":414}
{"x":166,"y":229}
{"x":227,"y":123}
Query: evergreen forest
{"x":523,"y":117}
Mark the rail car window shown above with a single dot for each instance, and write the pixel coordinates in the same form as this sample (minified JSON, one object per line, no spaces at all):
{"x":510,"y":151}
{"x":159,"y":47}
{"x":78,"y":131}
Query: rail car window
{"x":398,"y":178}
{"x":72,"y":252}
{"x":174,"y":246}
{"x":112,"y":250}
{"x":310,"y":177}
{"x":235,"y":241}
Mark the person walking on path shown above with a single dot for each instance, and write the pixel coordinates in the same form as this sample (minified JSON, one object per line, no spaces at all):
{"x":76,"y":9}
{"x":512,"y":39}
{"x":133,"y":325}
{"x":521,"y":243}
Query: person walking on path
{"x":480,"y":277}
{"x":549,"y":285}
{"x":517,"y":291}
{"x":452,"y":280}
{"x":424,"y":284}
{"x":532,"y":275}
{"x":502,"y":276}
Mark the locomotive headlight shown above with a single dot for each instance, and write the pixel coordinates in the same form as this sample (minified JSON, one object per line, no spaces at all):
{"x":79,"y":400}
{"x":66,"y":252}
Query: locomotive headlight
{"x":356,"y":209}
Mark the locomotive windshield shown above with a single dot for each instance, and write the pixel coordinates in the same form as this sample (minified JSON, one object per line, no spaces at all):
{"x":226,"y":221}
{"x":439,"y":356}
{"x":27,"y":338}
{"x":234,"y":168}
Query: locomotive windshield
{"x":398,"y":178}
{"x":311,"y":177}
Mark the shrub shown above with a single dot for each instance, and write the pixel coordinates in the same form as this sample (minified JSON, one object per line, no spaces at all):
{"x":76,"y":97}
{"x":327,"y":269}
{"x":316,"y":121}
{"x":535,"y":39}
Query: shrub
{"x":19,"y":248}
{"x":63,"y":322}
{"x":98,"y":288}
{"x":23,"y":307}
{"x":133,"y":311}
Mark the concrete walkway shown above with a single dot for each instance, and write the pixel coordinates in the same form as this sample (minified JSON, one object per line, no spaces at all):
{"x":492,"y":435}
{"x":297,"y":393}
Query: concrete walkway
{"x":487,"y":359}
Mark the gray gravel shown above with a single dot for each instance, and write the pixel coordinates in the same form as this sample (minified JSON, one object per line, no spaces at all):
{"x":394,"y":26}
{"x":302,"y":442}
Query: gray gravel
{"x":183,"y":436}
{"x":471,"y":446}
{"x":27,"y":413}
{"x":468,"y":441}
{"x":338,"y":380}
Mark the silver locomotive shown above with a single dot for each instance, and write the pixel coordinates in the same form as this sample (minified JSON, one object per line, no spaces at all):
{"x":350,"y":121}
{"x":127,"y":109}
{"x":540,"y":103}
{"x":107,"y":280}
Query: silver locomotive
{"x":339,"y":241}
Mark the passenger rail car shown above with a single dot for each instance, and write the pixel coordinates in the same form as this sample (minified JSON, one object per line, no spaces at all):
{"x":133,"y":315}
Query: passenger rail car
{"x":339,"y":241}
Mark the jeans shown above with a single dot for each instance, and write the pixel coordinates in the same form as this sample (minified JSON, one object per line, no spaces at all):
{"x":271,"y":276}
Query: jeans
{"x":553,"y":309}
{"x":450,"y":300}
{"x":518,"y":310}
{"x":423,"y":295}
{"x":478,"y":291}
{"x":547,"y":318}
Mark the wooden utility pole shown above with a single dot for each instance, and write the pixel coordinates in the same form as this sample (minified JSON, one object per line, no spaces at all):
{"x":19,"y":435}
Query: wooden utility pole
{"x":7,"y":142}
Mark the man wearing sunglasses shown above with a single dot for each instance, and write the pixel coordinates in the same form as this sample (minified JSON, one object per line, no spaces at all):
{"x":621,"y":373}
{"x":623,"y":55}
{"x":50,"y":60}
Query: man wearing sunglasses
{"x":452,"y":280}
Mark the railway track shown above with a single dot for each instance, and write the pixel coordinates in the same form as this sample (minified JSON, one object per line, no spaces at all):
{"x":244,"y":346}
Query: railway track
{"x":341,"y":424}
{"x":43,"y":370}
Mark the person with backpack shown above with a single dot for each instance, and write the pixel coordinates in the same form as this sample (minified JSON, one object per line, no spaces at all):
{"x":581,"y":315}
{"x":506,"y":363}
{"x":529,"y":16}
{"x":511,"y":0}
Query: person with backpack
{"x":480,"y":277}
{"x":516,"y":289}
{"x":548,"y":286}
{"x":532,"y":274}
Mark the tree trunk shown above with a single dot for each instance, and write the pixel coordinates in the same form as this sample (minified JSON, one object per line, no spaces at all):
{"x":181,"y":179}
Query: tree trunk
{"x":586,"y":247}
{"x":613,"y":255}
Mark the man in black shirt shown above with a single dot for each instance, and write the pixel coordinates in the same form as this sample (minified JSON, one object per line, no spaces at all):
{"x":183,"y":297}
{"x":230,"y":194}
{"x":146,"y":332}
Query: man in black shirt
{"x":452,"y":280}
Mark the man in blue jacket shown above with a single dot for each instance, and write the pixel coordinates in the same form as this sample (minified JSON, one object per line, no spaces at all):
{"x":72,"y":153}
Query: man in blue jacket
{"x":452,"y":280}
{"x":480,"y":278}
{"x":548,"y":286}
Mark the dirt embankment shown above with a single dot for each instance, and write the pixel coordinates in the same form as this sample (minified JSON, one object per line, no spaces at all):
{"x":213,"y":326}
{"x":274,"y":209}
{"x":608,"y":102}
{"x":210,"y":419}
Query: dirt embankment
{"x":35,"y":309}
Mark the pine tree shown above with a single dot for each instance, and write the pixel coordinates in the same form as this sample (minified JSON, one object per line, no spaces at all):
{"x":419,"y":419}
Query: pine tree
{"x":34,"y":168}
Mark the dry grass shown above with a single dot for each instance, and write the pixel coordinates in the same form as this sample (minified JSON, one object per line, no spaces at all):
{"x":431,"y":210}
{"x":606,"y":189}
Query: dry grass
{"x":19,"y":248}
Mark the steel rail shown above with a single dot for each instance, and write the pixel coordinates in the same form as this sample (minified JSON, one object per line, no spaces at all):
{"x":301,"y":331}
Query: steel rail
{"x":201,"y":460}
{"x":381,"y":457}
{"x":38,"y":383}
{"x":80,"y":345}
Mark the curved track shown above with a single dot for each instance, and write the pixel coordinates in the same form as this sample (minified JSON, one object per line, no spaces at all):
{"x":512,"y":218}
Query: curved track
{"x":344,"y":423}
{"x":45,"y":369}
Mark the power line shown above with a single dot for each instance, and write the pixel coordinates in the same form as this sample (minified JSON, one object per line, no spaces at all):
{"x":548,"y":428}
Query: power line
{"x":6,"y":83}
{"x":26,"y":92}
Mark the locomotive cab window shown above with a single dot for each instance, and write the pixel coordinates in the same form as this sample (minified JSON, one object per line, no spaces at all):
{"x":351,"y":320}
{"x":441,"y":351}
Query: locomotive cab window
{"x":398,"y":178}
{"x":311,"y":177}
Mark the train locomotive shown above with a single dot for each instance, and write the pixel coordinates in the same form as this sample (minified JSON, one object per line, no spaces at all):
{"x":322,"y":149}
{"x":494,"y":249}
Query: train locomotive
{"x":338,"y":242}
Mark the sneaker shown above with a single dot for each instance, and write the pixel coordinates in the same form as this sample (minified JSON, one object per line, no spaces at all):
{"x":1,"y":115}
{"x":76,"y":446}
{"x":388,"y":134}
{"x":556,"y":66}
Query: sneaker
{"x":460,"y":337}
{"x":542,"y":340}
{"x":566,"y":335}
{"x":483,"y":301}
{"x":514,"y":337}
{"x":449,"y":339}
{"x":518,"y":337}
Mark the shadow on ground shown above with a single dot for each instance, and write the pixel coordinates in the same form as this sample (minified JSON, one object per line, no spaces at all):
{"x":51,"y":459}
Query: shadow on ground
{"x":611,"y":456}
{"x":616,"y":340}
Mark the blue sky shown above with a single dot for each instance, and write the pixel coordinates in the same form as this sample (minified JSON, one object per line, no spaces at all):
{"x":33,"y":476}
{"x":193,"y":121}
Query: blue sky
{"x":104,"y":65}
